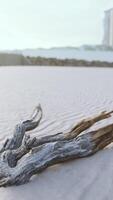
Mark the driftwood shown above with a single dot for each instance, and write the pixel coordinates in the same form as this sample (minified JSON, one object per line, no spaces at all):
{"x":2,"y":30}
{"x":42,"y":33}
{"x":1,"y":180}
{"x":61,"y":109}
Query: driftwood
{"x":22,"y":156}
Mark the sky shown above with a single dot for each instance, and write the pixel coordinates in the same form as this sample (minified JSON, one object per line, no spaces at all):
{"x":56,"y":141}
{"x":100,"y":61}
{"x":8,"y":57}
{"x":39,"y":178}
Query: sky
{"x":51,"y":23}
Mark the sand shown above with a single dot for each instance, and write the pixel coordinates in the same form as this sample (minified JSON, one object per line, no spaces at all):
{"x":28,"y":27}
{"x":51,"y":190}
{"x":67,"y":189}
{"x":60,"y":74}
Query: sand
{"x":84,"y":179}
{"x":67,"y":96}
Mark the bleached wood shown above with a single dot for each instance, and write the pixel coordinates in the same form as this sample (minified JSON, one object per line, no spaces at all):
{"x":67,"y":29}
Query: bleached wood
{"x":22,"y":156}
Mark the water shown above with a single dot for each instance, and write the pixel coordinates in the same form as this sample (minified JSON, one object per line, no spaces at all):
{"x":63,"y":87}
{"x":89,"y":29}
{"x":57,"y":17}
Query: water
{"x":67,"y":95}
{"x":62,"y":53}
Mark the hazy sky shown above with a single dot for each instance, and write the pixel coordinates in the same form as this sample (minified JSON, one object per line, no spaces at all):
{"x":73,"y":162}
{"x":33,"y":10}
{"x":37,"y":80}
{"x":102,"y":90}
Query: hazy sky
{"x":48,"y":23}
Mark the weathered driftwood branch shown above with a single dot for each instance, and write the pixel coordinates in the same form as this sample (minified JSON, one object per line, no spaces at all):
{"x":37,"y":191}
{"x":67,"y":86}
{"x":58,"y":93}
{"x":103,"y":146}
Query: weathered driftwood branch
{"x":22,"y":156}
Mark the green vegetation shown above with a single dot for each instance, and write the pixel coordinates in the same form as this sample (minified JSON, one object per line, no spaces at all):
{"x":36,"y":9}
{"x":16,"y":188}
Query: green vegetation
{"x":42,"y":61}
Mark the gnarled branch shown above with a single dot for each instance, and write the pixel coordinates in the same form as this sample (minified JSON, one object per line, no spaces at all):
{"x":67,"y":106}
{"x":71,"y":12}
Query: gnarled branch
{"x":23,"y":156}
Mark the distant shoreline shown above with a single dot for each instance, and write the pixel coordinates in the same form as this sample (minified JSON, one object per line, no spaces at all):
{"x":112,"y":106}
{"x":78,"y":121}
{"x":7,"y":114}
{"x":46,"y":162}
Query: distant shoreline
{"x":7,"y":59}
{"x":42,"y":61}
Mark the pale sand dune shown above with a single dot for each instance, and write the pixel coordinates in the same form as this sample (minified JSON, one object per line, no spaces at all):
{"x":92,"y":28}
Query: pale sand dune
{"x":84,"y":179}
{"x":67,"y":96}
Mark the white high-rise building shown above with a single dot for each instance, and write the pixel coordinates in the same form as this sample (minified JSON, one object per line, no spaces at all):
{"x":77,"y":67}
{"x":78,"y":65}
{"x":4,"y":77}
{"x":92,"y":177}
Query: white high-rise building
{"x":108,"y":28}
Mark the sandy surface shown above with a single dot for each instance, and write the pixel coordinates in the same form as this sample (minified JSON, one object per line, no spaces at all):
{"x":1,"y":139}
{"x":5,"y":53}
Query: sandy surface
{"x":86,"y":179}
{"x":67,"y":96}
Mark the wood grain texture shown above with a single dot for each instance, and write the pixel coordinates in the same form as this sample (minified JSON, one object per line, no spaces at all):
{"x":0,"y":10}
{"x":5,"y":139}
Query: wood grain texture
{"x":23,"y":156}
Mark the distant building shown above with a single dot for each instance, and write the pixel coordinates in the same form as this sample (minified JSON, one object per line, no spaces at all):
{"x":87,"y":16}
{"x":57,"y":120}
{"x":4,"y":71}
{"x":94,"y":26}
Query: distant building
{"x":108,"y":28}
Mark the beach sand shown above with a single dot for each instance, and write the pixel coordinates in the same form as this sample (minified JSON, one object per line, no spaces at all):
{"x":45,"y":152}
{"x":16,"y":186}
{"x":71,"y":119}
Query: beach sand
{"x":67,"y":96}
{"x":83,"y":179}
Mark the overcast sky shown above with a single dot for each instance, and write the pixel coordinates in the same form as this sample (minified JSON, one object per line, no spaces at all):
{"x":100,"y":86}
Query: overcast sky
{"x":48,"y":23}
